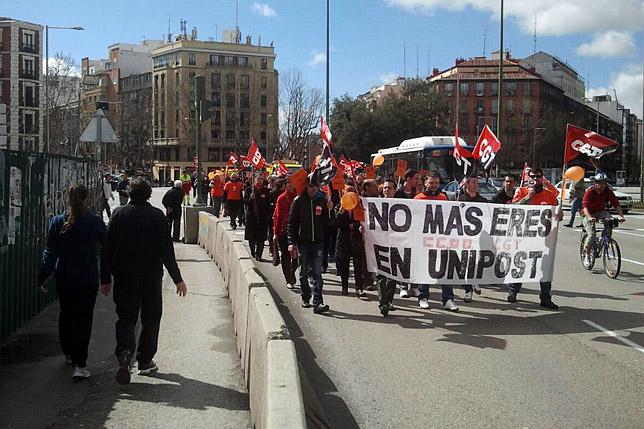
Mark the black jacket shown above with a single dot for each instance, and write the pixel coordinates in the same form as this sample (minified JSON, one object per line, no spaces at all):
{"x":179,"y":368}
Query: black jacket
{"x":349,"y":242}
{"x":501,"y":198}
{"x":138,"y":244}
{"x":308,"y":219}
{"x":464,"y":196}
{"x":257,"y":213}
{"x":172,"y":200}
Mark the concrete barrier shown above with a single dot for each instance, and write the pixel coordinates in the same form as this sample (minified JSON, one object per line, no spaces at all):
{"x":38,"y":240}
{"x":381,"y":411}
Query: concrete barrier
{"x":267,"y":354}
{"x":191,"y":222}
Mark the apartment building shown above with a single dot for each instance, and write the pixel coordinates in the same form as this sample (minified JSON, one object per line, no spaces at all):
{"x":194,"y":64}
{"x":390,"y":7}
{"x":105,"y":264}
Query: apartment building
{"x":21,"y":80}
{"x":557,"y":72}
{"x":241,"y":84}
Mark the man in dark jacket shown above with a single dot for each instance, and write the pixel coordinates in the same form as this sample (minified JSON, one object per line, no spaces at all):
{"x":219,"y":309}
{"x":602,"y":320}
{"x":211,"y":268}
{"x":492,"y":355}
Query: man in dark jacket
{"x":121,"y":189}
{"x":257,"y":203}
{"x":172,"y":203}
{"x":505,"y":195}
{"x":136,"y":248}
{"x":308,"y":222}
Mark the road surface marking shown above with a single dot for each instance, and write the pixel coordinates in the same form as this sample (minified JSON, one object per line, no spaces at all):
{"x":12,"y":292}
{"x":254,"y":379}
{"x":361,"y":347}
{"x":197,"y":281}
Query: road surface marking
{"x":614,"y":335}
{"x":633,"y":262}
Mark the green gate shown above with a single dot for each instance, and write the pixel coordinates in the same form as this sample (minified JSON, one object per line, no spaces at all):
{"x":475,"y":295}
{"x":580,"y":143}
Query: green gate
{"x":33,"y":188}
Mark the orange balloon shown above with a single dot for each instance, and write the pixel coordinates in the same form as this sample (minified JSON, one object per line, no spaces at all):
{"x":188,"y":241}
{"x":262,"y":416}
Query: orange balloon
{"x":378,"y":160}
{"x":574,"y":173}
{"x":211,"y":175}
{"x":349,"y":201}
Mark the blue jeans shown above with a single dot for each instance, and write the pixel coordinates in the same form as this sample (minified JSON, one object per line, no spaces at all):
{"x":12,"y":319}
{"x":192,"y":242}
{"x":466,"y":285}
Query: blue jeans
{"x":311,"y":255}
{"x":545,"y":289}
{"x":576,"y":207}
{"x":447,"y":292}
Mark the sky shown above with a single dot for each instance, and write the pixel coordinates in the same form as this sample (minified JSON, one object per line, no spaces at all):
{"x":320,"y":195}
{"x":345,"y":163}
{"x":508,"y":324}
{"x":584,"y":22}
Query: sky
{"x":604,"y":44}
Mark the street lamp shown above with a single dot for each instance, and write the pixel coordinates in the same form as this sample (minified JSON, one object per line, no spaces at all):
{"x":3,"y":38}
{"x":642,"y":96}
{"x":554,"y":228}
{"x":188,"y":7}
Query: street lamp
{"x":534,"y":143}
{"x":47,"y":27}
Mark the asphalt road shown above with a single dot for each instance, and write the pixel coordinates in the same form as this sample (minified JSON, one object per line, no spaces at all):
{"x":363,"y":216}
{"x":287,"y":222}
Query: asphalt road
{"x":493,"y":364}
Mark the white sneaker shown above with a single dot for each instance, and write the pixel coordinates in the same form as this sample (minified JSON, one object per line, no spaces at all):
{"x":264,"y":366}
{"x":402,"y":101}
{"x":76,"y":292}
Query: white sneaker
{"x":477,"y":289}
{"x":404,"y":293}
{"x":289,"y":286}
{"x":80,"y":373}
{"x":467,"y":297}
{"x":450,"y":305}
{"x":423,"y":303}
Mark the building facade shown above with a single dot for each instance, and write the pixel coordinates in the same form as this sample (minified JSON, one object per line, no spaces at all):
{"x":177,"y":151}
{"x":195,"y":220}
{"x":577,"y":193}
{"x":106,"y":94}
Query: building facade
{"x":21,"y":80}
{"x":241,"y":84}
{"x":557,"y":72}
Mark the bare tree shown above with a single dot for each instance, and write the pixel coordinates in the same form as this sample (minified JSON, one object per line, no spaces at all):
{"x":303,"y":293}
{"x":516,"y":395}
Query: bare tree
{"x":62,"y":98}
{"x":300,"y":110}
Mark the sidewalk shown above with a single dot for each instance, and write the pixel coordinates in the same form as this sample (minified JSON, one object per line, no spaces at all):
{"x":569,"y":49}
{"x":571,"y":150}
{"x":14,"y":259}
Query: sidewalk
{"x":199,"y":383}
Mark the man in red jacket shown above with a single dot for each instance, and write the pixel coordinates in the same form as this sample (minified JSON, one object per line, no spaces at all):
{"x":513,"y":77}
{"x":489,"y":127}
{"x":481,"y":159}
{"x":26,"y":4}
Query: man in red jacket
{"x":593,"y":206}
{"x":280,"y":222}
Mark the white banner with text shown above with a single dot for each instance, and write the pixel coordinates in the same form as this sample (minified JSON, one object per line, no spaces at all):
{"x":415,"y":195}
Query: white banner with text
{"x":449,"y":242}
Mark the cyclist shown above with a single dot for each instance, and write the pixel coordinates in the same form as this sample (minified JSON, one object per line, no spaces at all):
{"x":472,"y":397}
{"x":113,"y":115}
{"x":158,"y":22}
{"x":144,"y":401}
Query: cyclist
{"x":593,"y":207}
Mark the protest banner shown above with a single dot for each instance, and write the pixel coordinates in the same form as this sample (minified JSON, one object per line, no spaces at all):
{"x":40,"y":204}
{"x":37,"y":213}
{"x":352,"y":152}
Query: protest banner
{"x":449,"y":242}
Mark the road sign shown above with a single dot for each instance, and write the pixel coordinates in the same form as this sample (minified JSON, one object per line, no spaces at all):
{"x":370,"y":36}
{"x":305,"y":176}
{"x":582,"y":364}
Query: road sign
{"x":99,"y":130}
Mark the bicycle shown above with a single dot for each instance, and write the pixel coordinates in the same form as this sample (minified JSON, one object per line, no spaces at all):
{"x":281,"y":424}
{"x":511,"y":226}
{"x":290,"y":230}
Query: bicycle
{"x":606,"y":247}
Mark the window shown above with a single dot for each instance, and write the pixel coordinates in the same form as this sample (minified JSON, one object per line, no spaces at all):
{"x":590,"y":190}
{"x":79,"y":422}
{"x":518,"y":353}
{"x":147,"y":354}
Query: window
{"x":526,"y":121}
{"x":262,"y":101}
{"x":28,"y":39}
{"x":264,"y":82}
{"x":215,"y":80}
{"x":216,"y":118}
{"x":510,"y":106}
{"x":244,"y":119}
{"x":216,"y":99}
{"x":480,"y":89}
{"x":213,"y":154}
{"x":230,"y":99}
{"x":230,"y":119}
{"x":215,"y":134}
{"x":264,"y":64}
{"x":244,"y":134}
{"x":192,"y":58}
{"x":229,"y":60}
{"x":230,"y":81}
{"x":29,"y":96}
{"x":495,"y":88}
{"x":244,"y":101}
{"x":214,"y":60}
{"x":510,"y":88}
{"x":244,"y":82}
{"x":243,"y":61}
{"x":526,"y":105}
{"x":479,"y":106}
{"x":262,"y":136}
{"x":527,"y":88}
{"x":176,"y":154}
{"x":230,"y":134}
{"x":495,"y":107}
{"x":177,"y":59}
{"x":464,"y":88}
{"x":263,"y":118}
{"x":449,"y":89}
{"x":29,"y":126}
{"x":511,"y":122}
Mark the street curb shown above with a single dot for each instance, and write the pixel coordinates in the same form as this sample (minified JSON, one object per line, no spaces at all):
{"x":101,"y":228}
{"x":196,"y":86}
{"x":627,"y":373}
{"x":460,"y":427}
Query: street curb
{"x":267,"y":354}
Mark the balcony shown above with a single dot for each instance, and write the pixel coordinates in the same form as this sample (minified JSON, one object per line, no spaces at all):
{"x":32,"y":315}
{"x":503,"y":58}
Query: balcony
{"x":28,"y":74}
{"x":30,"y":49}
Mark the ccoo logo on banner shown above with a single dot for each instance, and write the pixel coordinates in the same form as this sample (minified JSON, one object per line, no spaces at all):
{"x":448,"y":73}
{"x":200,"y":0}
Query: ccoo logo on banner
{"x":445,"y":242}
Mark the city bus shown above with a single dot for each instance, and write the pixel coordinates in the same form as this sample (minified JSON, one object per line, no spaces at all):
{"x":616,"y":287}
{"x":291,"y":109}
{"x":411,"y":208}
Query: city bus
{"x":424,"y":154}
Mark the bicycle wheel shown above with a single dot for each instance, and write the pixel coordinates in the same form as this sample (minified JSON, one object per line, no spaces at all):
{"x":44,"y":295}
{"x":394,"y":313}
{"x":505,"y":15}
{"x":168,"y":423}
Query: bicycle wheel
{"x":612,"y":259}
{"x":587,"y":258}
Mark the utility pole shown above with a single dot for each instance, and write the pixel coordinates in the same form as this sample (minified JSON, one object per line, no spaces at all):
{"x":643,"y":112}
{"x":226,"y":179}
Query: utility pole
{"x":500,"y":84}
{"x":327,"y":62}
{"x":199,"y":93}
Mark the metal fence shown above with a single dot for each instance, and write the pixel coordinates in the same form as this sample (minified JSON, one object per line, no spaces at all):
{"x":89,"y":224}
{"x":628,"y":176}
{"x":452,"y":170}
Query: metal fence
{"x":33,"y":188}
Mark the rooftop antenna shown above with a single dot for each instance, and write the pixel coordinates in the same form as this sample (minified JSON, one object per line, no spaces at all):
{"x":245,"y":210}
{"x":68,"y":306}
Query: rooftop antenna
{"x":169,"y":30}
{"x":534,"y":42}
{"x":182,"y":24}
{"x":405,"y":59}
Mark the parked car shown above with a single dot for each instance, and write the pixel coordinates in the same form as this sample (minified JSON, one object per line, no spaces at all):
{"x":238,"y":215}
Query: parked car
{"x":486,"y":189}
{"x":625,"y":200}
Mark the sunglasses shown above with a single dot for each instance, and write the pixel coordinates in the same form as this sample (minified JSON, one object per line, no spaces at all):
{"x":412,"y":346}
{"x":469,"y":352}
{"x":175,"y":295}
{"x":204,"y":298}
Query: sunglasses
{"x":536,"y":176}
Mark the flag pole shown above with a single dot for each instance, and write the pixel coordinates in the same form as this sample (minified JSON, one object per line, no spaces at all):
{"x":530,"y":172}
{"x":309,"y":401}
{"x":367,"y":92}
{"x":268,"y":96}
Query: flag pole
{"x":563,"y":172}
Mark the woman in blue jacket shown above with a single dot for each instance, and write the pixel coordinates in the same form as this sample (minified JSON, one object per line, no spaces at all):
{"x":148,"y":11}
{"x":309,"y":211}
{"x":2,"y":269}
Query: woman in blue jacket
{"x":72,"y":254}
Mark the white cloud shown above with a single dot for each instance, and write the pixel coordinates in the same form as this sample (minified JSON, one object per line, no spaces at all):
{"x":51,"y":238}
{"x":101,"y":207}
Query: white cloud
{"x":615,"y":44}
{"x":628,"y":85}
{"x":317,"y":58}
{"x":554,"y":17}
{"x":264,"y":10}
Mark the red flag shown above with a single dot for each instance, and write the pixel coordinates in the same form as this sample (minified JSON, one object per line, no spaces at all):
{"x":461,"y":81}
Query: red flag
{"x":486,"y":147}
{"x":232,"y":159}
{"x":524,"y":174}
{"x":245,"y":162}
{"x":581,"y":141}
{"x":460,"y":153}
{"x":254,"y":155}
{"x":325,"y":132}
{"x":281,"y":167}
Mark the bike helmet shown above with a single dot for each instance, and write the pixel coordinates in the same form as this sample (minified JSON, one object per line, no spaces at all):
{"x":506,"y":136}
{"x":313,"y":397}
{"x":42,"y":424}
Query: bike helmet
{"x":601,"y":177}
